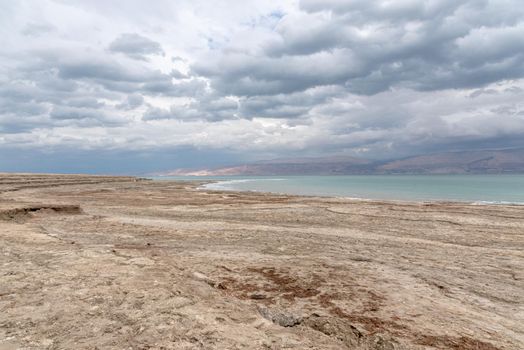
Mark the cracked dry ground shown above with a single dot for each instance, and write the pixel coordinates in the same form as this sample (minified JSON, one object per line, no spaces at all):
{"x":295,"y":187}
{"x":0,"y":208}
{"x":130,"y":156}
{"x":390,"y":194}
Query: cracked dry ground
{"x":118,"y":263}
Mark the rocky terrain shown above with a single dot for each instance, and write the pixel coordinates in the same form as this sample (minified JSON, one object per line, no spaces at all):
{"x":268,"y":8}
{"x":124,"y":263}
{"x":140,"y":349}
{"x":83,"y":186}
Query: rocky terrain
{"x":122,"y":263}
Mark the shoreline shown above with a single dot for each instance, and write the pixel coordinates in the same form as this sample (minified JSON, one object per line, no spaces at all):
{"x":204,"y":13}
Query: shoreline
{"x":122,"y":263}
{"x":363,"y":199}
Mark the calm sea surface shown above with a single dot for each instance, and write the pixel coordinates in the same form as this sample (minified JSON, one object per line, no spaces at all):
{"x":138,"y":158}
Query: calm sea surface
{"x":468,"y":188}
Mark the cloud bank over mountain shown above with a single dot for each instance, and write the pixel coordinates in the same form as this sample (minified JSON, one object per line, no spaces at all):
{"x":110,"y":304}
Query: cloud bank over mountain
{"x":258,"y":79}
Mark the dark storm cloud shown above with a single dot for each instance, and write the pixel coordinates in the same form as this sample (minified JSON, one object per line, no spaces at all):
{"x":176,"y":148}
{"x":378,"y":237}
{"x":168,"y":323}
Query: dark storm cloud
{"x":58,"y":72}
{"x":41,"y":94}
{"x":370,"y":47}
{"x":157,"y":114}
{"x":107,"y":70}
{"x":85,"y":102}
{"x":244,"y":75}
{"x":130,"y":78}
{"x":18,"y":116}
{"x":362,"y":10}
{"x":135,"y":46}
{"x":56,"y":87}
{"x":287,"y":106}
{"x":84,"y":117}
{"x":479,"y":92}
{"x":186,"y":87}
{"x":213,"y":107}
{"x":379,"y":77}
{"x":209,"y":108}
{"x":21,"y":109}
{"x":178,"y":75}
{"x":132,"y":101}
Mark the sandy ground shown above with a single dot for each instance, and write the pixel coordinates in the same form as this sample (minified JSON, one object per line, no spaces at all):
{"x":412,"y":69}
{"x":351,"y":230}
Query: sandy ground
{"x":118,"y":263}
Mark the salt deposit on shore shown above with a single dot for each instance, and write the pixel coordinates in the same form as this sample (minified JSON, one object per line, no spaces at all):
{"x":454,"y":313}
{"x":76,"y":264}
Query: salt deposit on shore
{"x":111,"y":263}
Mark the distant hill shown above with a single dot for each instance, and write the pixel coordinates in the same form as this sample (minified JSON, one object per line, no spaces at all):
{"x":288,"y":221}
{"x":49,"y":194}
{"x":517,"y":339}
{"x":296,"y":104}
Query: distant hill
{"x":289,"y":166}
{"x":466,"y":162}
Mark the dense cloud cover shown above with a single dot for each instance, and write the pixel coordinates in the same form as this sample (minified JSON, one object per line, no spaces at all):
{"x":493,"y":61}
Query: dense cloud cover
{"x":260,"y":78}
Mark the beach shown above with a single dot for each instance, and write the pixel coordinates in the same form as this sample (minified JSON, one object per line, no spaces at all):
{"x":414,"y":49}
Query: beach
{"x":102,"y":262}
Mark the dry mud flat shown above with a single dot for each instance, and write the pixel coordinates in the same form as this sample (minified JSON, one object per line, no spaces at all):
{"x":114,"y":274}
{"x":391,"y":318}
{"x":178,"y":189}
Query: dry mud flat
{"x":119,"y":263}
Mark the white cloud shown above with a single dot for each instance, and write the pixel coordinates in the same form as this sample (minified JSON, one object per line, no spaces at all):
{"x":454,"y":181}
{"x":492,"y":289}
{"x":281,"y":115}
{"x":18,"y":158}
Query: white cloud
{"x":383,"y":77}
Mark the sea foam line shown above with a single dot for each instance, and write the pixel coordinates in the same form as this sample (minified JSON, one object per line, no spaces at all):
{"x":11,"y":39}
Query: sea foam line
{"x":229,"y":184}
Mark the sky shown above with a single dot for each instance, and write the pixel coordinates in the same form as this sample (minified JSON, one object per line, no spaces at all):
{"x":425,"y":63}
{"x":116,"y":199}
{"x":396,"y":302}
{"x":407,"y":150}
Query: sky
{"x":139,"y":86}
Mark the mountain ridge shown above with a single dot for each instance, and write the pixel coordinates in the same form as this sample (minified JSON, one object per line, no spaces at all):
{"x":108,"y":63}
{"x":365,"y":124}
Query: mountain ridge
{"x":509,"y":161}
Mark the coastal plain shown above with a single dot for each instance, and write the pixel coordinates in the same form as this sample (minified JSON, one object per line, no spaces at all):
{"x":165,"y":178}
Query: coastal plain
{"x":102,"y":262}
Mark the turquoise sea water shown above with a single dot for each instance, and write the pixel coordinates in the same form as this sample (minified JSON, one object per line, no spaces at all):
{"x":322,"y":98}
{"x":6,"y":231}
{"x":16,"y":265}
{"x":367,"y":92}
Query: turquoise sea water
{"x":467,"y":188}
